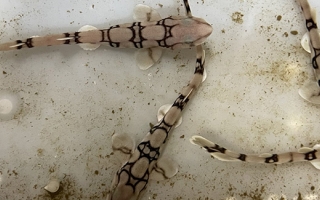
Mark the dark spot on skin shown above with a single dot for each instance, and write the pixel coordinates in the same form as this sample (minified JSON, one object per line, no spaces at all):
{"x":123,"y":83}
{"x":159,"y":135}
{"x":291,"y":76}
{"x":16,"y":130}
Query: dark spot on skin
{"x":182,"y":136}
{"x":3,"y":72}
{"x":312,"y":188}
{"x":294,"y":32}
{"x":96,"y":172}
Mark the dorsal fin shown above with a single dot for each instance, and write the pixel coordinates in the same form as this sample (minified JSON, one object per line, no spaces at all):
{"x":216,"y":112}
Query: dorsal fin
{"x":223,"y":157}
{"x":201,"y":141}
{"x":144,"y":13}
{"x":88,"y":46}
{"x":305,"y":150}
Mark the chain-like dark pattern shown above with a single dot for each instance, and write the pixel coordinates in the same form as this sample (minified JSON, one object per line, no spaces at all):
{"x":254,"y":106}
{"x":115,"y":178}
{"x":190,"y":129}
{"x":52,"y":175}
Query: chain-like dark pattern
{"x":146,"y":150}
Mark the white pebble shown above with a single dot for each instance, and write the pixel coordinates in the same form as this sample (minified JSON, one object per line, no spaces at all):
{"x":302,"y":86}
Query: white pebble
{"x":10,"y":105}
{"x":53,"y":185}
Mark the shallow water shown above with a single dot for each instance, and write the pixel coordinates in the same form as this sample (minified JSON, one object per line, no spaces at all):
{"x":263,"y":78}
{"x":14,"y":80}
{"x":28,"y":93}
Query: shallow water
{"x":74,"y":100}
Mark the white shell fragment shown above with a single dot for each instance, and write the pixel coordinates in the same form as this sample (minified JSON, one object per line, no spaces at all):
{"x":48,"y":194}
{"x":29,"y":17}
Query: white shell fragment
{"x":144,"y":13}
{"x":145,"y":58}
{"x":163,"y":110}
{"x":123,"y":143}
{"x":165,"y":168}
{"x":88,"y":46}
{"x":53,"y":185}
{"x":10,"y":105}
{"x":305,"y":42}
{"x":310,"y":92}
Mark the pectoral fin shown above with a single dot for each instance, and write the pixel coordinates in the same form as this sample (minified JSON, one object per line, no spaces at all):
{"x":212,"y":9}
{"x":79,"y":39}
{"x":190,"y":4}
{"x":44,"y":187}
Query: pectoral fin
{"x":165,"y":168}
{"x":310,"y":92}
{"x":145,"y":58}
{"x":123,"y":143}
{"x":144,"y":13}
{"x":305,"y":150}
{"x":305,"y":42}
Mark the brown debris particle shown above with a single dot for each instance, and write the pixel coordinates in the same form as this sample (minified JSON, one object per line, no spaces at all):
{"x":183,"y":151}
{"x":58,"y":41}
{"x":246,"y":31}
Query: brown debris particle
{"x":279,"y":17}
{"x":294,"y":32}
{"x":237,"y":17}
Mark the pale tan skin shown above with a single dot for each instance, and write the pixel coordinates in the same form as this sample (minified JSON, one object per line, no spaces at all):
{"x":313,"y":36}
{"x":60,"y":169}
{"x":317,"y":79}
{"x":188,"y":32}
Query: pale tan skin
{"x":172,"y":32}
{"x":311,"y":24}
{"x":131,"y":179}
{"x":303,"y":154}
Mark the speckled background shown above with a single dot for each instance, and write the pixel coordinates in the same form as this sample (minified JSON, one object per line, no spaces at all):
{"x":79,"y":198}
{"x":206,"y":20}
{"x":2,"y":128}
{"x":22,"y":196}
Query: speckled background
{"x":73,"y":100}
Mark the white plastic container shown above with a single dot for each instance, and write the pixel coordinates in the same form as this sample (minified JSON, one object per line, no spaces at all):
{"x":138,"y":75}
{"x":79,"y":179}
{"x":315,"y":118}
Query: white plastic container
{"x":73,"y":100}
